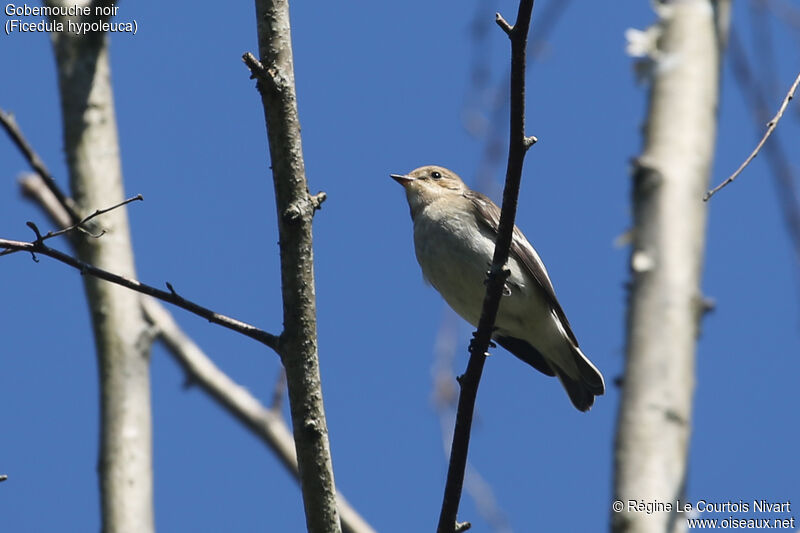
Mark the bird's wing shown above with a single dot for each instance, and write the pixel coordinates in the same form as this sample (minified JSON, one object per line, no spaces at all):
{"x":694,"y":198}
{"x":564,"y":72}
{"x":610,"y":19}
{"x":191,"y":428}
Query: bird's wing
{"x":522,"y":250}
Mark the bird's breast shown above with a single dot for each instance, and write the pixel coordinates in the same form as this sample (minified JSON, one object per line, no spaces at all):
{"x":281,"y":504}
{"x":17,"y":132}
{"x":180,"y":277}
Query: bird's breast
{"x":455,"y":254}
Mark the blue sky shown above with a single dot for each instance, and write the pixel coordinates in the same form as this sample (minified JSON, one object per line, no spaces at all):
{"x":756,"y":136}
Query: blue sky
{"x":383,"y":88}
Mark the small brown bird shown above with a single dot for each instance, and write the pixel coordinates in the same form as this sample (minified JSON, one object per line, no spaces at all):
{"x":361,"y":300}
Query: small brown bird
{"x":455,"y":229}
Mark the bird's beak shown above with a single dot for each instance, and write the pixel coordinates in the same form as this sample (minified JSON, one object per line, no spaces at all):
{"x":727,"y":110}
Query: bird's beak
{"x":402,"y":179}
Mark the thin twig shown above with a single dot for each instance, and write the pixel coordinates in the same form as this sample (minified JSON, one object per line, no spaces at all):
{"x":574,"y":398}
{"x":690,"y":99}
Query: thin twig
{"x":172,"y":296}
{"x":503,"y":23}
{"x":97,"y":212}
{"x":518,"y":146}
{"x":78,"y":226}
{"x":36,"y":163}
{"x":782,"y":172}
{"x":770,"y":128}
{"x":38,"y":247}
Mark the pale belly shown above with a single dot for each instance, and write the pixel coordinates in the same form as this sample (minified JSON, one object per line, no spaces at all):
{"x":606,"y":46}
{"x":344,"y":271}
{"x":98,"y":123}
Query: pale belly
{"x":457,"y":268}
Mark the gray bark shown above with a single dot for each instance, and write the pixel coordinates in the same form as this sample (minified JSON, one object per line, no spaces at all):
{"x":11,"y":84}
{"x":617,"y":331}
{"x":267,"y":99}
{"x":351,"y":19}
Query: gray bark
{"x":666,"y":305}
{"x":295,"y":206}
{"x":120,"y":330}
{"x":266,"y":423}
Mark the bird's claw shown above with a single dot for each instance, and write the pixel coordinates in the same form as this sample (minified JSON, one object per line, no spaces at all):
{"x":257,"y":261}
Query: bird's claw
{"x":472,"y":343}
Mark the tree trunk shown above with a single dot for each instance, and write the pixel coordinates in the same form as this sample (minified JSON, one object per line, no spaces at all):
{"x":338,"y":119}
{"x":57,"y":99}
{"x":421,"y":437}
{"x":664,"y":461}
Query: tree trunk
{"x":120,"y":330}
{"x":665,"y":302}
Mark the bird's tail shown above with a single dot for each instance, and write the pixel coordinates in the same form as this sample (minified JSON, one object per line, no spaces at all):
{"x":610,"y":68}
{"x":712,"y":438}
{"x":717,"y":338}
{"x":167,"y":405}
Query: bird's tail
{"x":583,"y":383}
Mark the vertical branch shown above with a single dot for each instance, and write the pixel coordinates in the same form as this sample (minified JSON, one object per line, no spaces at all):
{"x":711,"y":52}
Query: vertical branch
{"x":665,"y":303}
{"x":298,"y":342}
{"x":264,"y":422}
{"x":120,"y":330}
{"x":518,"y":145}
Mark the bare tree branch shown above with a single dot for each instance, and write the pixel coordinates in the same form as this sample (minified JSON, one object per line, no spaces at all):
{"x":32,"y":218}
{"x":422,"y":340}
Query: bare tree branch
{"x":518,"y":145}
{"x":781,"y":169}
{"x":79,"y":225}
{"x":14,"y":132}
{"x":38,"y":247}
{"x":265,"y":423}
{"x":485,"y":106}
{"x":771,"y":125}
{"x":236,"y":400}
{"x":445,"y":400}
{"x":57,"y":206}
{"x":297,"y":345}
{"x":274,"y":72}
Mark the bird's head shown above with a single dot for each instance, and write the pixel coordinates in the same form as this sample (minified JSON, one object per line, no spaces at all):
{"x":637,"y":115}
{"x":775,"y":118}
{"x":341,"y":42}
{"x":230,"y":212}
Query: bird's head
{"x":428,"y":184}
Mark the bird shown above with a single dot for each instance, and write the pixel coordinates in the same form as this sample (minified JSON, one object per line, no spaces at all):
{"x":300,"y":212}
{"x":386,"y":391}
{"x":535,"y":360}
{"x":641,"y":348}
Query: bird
{"x":455,"y":229}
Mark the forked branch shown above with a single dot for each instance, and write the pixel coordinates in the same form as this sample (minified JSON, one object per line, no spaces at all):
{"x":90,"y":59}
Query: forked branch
{"x":38,"y":246}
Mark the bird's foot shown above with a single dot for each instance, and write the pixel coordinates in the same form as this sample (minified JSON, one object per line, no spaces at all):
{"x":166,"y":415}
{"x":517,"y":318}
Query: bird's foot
{"x":472,"y":343}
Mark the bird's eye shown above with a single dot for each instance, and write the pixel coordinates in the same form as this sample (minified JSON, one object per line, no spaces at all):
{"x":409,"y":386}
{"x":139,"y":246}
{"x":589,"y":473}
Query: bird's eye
{"x":436,"y":175}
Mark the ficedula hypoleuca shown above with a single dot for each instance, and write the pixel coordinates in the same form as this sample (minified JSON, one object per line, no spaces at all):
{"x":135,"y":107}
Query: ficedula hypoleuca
{"x":455,"y":230}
